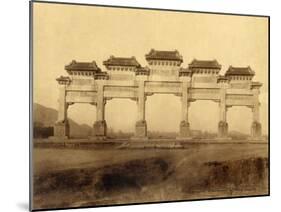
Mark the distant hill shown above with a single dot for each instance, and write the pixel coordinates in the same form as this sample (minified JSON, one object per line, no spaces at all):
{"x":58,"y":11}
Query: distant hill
{"x":46,"y":117}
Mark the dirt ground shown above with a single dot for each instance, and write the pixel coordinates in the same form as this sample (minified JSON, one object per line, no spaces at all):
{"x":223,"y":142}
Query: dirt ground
{"x":70,"y":177}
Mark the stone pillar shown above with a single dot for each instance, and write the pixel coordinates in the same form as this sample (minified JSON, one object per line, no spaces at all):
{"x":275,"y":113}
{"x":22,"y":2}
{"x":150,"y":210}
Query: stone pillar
{"x":184,"y":125}
{"x":61,"y":127}
{"x":256,"y":129}
{"x":99,"y":127}
{"x":223,"y":125}
{"x":141,"y":126}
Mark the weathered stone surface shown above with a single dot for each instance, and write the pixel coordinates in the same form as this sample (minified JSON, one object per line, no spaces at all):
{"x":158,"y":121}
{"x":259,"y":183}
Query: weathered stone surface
{"x":256,"y":129}
{"x":184,"y":129}
{"x":61,"y":129}
{"x":100,"y":129}
{"x":222,"y":129}
{"x":141,"y":129}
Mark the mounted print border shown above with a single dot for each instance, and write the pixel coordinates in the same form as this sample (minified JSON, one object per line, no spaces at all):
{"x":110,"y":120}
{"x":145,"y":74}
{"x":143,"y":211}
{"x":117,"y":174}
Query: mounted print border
{"x":144,"y":105}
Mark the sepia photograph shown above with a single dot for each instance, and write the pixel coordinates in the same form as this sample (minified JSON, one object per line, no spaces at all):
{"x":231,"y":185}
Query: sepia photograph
{"x":135,"y":105}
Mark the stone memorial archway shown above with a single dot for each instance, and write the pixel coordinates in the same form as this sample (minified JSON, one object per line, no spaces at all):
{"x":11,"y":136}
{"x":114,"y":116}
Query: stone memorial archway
{"x":126,"y":78}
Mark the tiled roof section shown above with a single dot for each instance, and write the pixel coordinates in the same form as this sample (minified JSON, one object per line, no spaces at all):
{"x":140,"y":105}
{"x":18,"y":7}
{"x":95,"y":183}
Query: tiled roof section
{"x":164,"y":55}
{"x":101,"y":76}
{"x":245,"y":71}
{"x":212,"y":64}
{"x":122,"y":61}
{"x":63,"y":80}
{"x":185,"y":70}
{"x":256,"y":84}
{"x":143,"y":71}
{"x":222,"y":78}
{"x":82,"y":66}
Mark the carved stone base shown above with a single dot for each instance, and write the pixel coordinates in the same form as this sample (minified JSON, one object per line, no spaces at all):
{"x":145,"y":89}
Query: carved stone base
{"x":61,"y":130}
{"x":222,"y":129}
{"x":99,"y":129}
{"x":184,"y":130}
{"x":256,"y":130}
{"x":140,"y":130}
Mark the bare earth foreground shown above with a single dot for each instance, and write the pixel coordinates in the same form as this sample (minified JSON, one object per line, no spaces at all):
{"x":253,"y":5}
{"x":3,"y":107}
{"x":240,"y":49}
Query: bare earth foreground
{"x":80,"y":177}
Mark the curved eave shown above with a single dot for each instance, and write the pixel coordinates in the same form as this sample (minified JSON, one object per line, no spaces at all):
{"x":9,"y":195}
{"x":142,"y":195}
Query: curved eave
{"x":169,"y":59}
{"x":204,"y":67}
{"x":68,"y":69}
{"x":239,"y":74}
{"x":120,"y":65}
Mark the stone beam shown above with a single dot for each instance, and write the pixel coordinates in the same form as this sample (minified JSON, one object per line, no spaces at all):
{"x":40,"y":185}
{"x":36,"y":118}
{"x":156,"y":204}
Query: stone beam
{"x":86,"y":96}
{"x":164,"y":87}
{"x":120,"y":91}
{"x":205,"y":93}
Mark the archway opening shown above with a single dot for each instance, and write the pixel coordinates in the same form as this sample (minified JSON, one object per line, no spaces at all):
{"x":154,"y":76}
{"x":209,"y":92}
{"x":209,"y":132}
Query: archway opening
{"x":204,"y":118}
{"x":120,"y":116}
{"x":81,"y":118}
{"x":162,"y":114}
{"x":239,"y":119}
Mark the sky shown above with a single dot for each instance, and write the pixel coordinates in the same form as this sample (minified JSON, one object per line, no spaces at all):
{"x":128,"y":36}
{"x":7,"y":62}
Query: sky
{"x":62,"y":33}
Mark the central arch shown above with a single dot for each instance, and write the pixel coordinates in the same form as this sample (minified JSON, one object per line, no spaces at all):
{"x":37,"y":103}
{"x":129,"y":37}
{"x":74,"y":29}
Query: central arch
{"x":163,"y":115}
{"x":204,"y":118}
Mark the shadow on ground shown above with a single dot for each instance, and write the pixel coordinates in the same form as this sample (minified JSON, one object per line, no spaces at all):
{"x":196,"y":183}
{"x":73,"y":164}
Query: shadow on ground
{"x":148,"y":180}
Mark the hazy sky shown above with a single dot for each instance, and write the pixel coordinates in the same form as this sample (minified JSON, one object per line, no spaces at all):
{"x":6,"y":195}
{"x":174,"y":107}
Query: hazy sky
{"x":66,"y":32}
